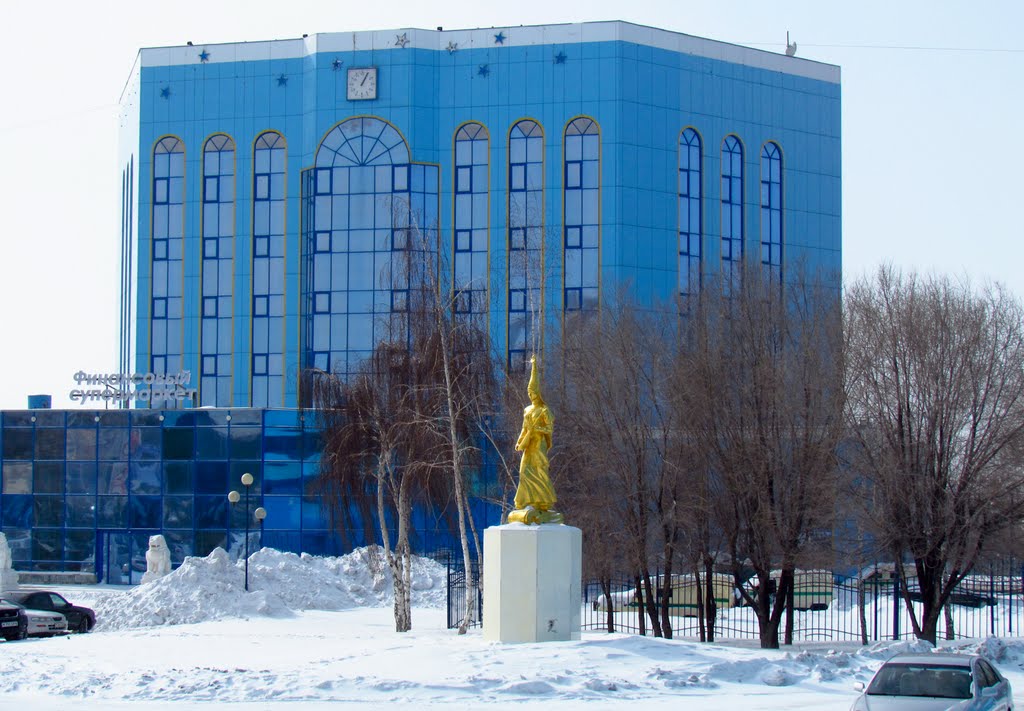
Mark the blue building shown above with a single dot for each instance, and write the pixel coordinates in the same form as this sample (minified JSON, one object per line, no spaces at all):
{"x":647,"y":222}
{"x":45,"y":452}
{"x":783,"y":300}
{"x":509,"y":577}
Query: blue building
{"x":269,"y":187}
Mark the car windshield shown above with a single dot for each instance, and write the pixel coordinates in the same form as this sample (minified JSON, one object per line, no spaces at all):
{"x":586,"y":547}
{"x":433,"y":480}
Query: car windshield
{"x":948,"y":682}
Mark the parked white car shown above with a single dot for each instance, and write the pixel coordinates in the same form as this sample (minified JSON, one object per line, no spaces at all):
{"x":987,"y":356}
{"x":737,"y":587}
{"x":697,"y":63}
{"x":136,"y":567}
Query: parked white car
{"x":41,"y":623}
{"x":935,"y":682}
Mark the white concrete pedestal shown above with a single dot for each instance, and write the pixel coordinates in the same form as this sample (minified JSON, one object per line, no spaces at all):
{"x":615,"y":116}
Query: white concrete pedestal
{"x":532,"y":578}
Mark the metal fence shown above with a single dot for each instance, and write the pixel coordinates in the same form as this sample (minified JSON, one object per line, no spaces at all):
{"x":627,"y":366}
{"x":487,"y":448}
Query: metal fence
{"x":457,"y":593}
{"x":826,"y":606}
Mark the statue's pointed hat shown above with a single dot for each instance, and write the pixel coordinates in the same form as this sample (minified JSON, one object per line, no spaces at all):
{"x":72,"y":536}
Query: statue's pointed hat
{"x":534,"y":387}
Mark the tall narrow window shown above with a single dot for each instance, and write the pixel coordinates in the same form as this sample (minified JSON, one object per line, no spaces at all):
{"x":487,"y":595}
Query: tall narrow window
{"x":471,"y":223}
{"x":525,"y":241}
{"x":268,"y":201}
{"x":371,"y":214}
{"x":218,"y":242}
{"x":581,"y":188}
{"x":167,"y":284}
{"x":690,"y":212}
{"x":771,"y":209}
{"x":732,"y":210}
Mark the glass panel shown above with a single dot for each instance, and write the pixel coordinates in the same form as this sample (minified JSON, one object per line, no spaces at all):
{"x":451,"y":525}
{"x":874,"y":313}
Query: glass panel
{"x":178,"y":477}
{"x":178,"y":442}
{"x":81,"y":511}
{"x":81,"y":478}
{"x":17,"y":443}
{"x":48,"y":478}
{"x":178,"y":512}
{"x":50,"y":444}
{"x":17,"y":479}
{"x":212,"y":478}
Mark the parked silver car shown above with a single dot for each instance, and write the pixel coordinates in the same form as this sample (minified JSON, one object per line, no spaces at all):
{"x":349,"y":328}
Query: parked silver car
{"x":41,"y":623}
{"x":927,"y":682}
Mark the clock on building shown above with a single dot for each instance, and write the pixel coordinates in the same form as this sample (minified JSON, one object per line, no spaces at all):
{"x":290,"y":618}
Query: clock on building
{"x":362,"y":83}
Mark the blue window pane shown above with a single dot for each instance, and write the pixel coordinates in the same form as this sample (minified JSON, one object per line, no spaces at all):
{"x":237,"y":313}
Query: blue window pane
{"x":283,"y":512}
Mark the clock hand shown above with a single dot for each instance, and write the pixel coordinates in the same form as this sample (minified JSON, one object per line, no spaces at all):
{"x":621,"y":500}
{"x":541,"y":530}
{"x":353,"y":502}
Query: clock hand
{"x":365,"y":77}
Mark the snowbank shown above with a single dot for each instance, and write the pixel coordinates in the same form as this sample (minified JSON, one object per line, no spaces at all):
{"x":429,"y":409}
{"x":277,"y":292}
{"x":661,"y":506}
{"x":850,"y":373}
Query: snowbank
{"x":279,"y":583}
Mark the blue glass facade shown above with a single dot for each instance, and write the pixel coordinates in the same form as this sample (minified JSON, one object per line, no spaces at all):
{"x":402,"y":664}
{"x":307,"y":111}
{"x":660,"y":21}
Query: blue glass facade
{"x":84,"y":490}
{"x":555,"y":166}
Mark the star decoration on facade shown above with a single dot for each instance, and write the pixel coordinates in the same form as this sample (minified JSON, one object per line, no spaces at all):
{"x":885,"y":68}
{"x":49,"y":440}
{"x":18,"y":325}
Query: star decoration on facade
{"x":484,"y":70}
{"x":452,"y":46}
{"x":499,"y":38}
{"x":402,"y":40}
{"x":560,"y":58}
{"x":282,"y":80}
{"x":336,"y":64}
{"x":165,"y":93}
{"x":204,"y":56}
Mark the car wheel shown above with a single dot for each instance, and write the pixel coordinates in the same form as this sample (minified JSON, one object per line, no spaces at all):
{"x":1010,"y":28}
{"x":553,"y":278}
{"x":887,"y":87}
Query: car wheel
{"x":23,"y":634}
{"x":83,"y":626}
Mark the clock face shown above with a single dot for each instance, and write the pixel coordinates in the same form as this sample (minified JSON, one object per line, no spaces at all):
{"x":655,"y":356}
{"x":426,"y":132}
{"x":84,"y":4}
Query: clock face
{"x":362,"y":83}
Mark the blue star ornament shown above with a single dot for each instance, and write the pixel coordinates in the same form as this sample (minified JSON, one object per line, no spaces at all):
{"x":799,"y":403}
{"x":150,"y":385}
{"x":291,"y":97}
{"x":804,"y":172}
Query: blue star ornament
{"x":499,"y":38}
{"x":336,"y":64}
{"x":560,"y":58}
{"x":204,"y":56}
{"x":165,"y":93}
{"x":484,"y":70}
{"x":282,"y":80}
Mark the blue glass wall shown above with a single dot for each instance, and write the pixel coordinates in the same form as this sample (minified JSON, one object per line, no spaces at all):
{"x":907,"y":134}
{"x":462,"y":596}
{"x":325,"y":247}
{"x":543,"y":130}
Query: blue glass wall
{"x":84,"y":490}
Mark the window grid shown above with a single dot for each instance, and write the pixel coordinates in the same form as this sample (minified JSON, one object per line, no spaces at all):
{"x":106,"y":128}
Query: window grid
{"x":365,"y":202}
{"x":471,"y":223}
{"x":166,"y":285}
{"x":218,"y":237}
{"x":732,"y":210}
{"x":525,"y":241}
{"x":268,"y":249}
{"x":690,"y":212}
{"x":581,"y":230}
{"x":771,"y":209}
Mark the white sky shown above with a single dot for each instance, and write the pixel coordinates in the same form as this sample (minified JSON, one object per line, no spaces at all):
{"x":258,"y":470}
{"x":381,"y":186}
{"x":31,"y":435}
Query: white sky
{"x":931,"y":137}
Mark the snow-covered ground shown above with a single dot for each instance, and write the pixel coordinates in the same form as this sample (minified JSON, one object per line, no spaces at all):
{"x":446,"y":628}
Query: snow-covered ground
{"x":314,"y":632}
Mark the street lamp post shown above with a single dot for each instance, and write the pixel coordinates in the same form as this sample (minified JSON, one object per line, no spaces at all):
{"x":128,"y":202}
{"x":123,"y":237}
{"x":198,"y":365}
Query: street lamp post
{"x":233,"y":497}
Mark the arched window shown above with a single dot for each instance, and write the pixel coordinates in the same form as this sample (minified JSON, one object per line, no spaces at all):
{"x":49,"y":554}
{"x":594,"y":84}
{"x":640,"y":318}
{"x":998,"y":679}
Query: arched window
{"x":167,"y":279}
{"x":732,"y":210}
{"x":268,"y":235}
{"x":472,"y":234}
{"x":581,"y":187}
{"x":691,"y":223}
{"x":218,"y":229}
{"x":365,"y":203}
{"x":525,"y":241}
{"x":771,"y":208}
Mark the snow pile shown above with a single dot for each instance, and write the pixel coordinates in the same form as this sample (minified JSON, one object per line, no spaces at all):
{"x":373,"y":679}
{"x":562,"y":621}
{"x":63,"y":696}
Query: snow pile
{"x":279,"y":583}
{"x":360,"y":579}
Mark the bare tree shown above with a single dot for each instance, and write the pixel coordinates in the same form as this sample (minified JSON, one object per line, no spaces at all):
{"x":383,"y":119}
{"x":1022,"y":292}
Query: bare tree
{"x":936,"y":383}
{"x":372,"y":444}
{"x":762,"y":375}
{"x":615,"y":414}
{"x":405,"y":424}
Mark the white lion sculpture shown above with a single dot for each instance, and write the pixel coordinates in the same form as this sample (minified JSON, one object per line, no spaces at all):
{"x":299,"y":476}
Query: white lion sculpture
{"x":158,"y":559}
{"x":8,"y":576}
{"x":5,"y":553}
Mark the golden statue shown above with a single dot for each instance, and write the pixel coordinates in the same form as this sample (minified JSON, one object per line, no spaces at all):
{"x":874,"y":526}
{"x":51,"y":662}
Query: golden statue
{"x":535,"y":496}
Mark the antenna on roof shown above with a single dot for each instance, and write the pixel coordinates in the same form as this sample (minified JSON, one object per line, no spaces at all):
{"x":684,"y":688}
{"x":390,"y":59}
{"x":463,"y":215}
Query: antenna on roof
{"x":790,"y":46}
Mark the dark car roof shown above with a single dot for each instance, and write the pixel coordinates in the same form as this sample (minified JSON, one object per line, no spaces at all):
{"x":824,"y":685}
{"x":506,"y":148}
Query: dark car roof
{"x":940,"y":658}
